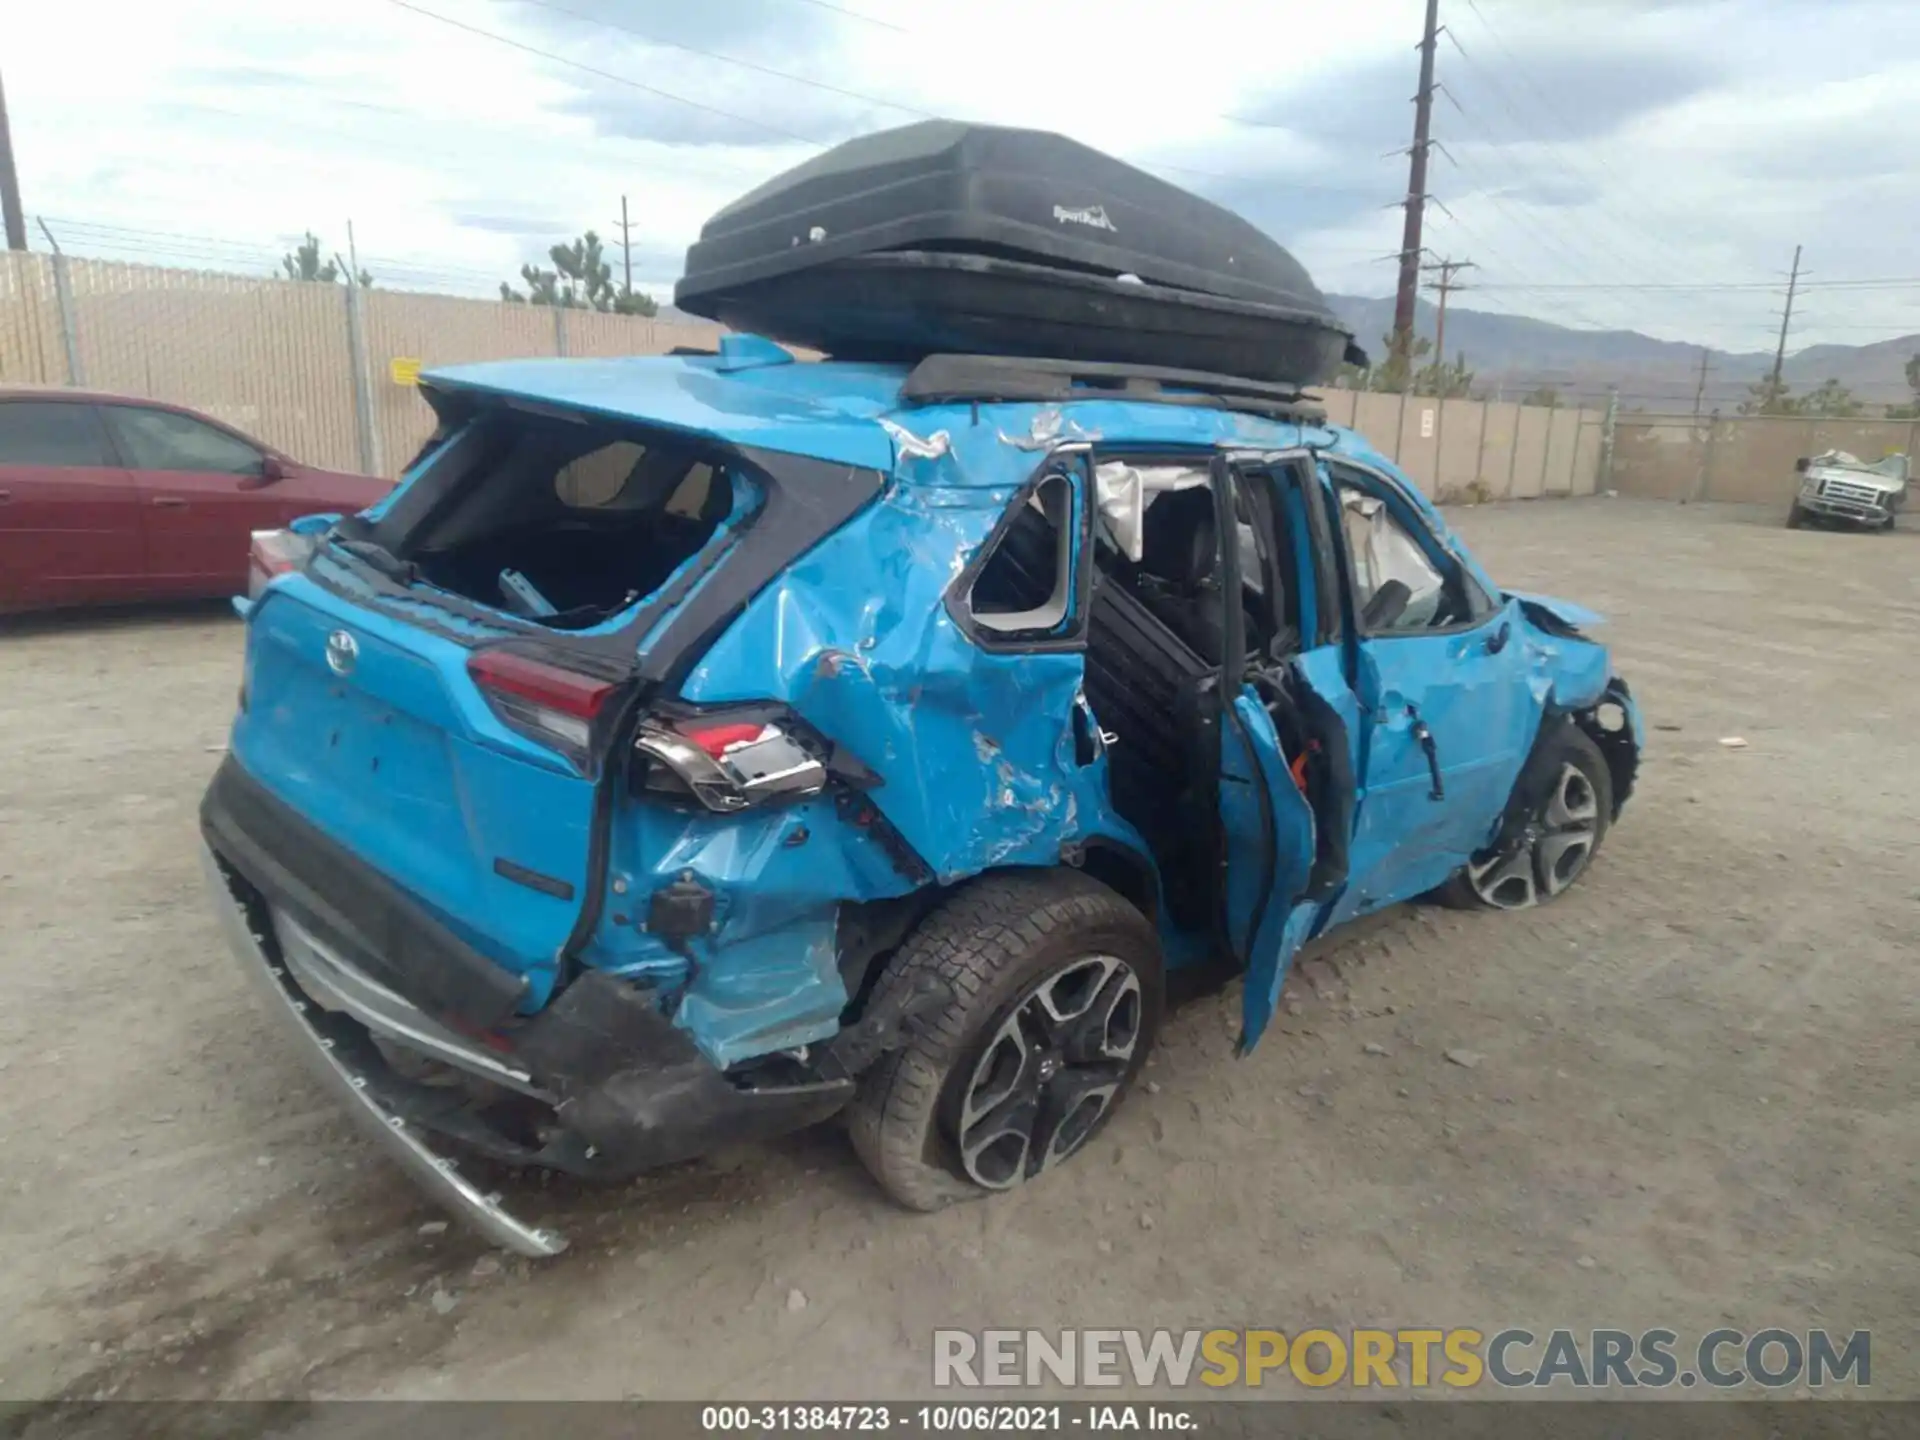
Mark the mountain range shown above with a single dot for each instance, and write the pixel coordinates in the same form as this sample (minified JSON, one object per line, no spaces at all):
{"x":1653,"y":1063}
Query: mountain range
{"x":1515,"y":354}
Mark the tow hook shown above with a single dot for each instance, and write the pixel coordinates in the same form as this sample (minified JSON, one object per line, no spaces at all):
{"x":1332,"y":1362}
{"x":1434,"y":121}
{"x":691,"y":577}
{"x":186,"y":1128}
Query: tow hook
{"x":678,"y":912}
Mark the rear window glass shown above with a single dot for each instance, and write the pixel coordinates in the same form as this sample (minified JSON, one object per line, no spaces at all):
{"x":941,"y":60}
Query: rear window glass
{"x":52,"y":432}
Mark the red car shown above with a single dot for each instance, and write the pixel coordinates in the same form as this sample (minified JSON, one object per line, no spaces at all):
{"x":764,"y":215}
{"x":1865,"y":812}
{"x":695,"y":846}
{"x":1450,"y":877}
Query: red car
{"x":105,"y":498}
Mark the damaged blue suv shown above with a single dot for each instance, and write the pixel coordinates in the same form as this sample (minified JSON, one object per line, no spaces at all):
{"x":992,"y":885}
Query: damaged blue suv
{"x":696,"y":747}
{"x":693,"y":748}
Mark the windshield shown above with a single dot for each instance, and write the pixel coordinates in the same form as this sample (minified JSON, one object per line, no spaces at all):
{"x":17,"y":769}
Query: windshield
{"x":1893,"y":467}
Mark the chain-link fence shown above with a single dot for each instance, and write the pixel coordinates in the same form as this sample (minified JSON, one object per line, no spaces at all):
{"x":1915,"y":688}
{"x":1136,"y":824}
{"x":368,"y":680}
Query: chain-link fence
{"x":325,"y":371}
{"x":1465,"y":449}
{"x":1742,"y":458}
{"x":322,"y":371}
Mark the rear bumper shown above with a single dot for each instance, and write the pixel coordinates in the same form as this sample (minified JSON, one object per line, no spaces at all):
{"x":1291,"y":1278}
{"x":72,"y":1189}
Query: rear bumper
{"x":357,"y":1084}
{"x":599,"y":1084}
{"x":375,"y":924}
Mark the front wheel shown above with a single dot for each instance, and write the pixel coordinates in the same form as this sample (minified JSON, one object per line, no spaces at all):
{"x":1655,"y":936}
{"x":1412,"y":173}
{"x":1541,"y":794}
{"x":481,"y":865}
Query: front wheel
{"x":1564,"y":801}
{"x":1797,"y":516}
{"x":1057,"y":992}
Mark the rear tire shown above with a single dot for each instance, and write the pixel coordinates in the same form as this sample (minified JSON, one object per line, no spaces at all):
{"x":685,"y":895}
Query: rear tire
{"x":1057,"y":992}
{"x":1549,"y":844}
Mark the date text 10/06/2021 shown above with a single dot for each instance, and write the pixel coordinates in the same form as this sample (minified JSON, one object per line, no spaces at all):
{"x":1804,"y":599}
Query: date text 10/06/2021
{"x":946,"y":1419}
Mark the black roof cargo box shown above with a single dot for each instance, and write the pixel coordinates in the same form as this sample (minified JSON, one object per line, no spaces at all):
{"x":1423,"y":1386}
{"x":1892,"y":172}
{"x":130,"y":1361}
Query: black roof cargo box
{"x":948,"y":238}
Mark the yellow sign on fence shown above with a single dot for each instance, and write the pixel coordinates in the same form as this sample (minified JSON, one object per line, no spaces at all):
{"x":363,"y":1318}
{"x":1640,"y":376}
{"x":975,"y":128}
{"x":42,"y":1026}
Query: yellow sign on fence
{"x":405,"y":371}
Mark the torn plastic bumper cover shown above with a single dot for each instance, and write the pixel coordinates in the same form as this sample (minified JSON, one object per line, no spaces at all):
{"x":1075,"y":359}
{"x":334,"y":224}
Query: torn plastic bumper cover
{"x":599,"y":1084}
{"x":356,"y":1084}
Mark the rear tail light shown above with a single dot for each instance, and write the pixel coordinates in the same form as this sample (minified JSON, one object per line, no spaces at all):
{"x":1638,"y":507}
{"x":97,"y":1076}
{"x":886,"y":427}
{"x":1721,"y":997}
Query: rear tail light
{"x":272,"y":553}
{"x":543,"y":701}
{"x":729,"y":763}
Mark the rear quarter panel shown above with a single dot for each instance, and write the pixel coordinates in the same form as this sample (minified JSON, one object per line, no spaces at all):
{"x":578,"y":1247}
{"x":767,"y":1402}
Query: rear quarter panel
{"x":975,"y":747}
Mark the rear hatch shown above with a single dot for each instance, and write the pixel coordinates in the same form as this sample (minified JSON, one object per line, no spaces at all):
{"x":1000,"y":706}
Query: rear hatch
{"x":439,"y":686}
{"x":376,"y":732}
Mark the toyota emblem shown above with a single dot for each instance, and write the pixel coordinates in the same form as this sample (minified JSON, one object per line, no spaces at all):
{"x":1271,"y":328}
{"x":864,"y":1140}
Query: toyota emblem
{"x":343,"y":652}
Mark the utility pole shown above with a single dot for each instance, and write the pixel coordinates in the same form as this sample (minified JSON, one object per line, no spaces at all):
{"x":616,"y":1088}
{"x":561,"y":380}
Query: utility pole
{"x":626,"y":245}
{"x":16,"y":220}
{"x":1444,"y":287}
{"x":1700,"y":390}
{"x":1786,"y":319}
{"x":1416,"y":202}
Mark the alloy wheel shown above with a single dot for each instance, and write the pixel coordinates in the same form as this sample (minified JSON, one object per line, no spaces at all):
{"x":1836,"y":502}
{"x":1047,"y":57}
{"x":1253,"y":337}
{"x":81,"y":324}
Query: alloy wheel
{"x":1549,"y":853}
{"x":1050,"y":1072}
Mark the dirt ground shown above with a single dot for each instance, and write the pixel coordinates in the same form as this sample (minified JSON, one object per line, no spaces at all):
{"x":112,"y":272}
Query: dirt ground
{"x":1699,"y":1102}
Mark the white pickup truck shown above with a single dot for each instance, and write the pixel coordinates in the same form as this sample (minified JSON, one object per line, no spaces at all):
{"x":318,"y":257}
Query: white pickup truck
{"x":1837,"y":486}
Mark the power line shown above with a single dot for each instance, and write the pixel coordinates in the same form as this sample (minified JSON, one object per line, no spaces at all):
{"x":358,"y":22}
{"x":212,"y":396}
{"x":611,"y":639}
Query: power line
{"x":862,"y":96}
{"x":1522,"y":221}
{"x":1602,"y":238}
{"x":1599,"y":253}
{"x":731,"y":59}
{"x":855,"y":14}
{"x":413,"y":150}
{"x":1910,"y":282}
{"x":233,"y":254}
{"x":607,"y":75}
{"x":1521,"y":218}
{"x":1548,"y":104}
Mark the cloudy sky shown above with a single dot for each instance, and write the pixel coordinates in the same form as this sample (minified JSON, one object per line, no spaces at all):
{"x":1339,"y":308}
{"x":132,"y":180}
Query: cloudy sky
{"x":1608,"y":162}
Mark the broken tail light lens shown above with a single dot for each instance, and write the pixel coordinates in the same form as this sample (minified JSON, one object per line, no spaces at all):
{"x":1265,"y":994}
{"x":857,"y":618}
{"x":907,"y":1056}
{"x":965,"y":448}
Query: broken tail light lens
{"x":543,"y":701}
{"x":730,"y":762}
{"x":272,"y":553}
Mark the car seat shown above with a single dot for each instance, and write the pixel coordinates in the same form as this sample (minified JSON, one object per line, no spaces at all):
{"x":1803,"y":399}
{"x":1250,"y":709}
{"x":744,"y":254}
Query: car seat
{"x":1179,"y":570}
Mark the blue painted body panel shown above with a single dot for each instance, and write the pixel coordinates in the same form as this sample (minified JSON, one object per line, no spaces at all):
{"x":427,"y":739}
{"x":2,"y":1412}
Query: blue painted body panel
{"x":824,"y":411}
{"x":405,"y":764}
{"x":1250,"y":768}
{"x":1578,"y":616}
{"x":974,"y":747}
{"x":1483,"y":719}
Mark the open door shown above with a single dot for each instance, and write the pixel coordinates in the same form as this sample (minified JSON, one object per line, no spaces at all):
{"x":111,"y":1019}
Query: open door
{"x":1288,"y":717}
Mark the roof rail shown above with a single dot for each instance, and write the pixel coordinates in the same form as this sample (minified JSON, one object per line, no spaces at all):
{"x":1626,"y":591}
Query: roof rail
{"x":948,"y":378}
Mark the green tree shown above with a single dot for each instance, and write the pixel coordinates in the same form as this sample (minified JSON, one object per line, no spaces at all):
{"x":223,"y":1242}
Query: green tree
{"x":1447,"y":381}
{"x":1768,"y":396}
{"x":581,"y":279}
{"x":1545,"y":396}
{"x":304,"y":263}
{"x":1392,"y":374}
{"x":1830,"y":398}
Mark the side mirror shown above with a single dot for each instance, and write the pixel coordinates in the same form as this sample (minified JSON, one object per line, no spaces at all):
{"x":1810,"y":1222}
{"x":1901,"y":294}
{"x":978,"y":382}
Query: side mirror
{"x":272,"y":469}
{"x":1386,"y":605}
{"x":1800,"y":465}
